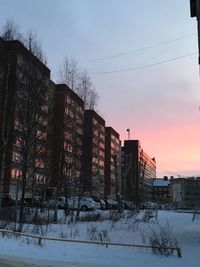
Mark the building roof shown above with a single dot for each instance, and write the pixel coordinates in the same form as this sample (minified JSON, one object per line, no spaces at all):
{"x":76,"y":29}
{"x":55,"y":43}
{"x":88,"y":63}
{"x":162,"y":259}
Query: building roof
{"x":18,"y":47}
{"x":93,"y":114}
{"x":65,"y":89}
{"x":160,"y":182}
{"x":111,"y":130}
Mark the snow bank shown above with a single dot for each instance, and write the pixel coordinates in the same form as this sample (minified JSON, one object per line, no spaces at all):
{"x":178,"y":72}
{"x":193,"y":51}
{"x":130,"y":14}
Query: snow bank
{"x":123,"y":231}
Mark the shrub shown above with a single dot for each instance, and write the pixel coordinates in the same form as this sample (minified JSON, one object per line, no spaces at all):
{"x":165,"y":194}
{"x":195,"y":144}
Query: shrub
{"x":162,"y":240}
{"x":91,"y":217}
{"x":148,"y":215}
{"x":94,"y":234}
{"x":115,"y":215}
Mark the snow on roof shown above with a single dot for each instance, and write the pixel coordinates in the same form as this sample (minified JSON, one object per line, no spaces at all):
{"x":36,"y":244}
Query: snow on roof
{"x":161,"y":182}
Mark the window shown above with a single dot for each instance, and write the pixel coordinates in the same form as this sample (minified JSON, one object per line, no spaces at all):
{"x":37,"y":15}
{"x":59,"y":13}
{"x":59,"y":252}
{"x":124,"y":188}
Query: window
{"x":16,"y":173}
{"x":39,"y":163}
{"x":16,"y":157}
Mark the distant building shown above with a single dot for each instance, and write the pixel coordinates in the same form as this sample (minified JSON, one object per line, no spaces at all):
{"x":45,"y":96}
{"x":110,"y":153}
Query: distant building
{"x":66,"y":140}
{"x":161,"y":190}
{"x":112,"y":163}
{"x":24,"y":111}
{"x":93,"y":154}
{"x":139,"y":170}
{"x":185,"y":192}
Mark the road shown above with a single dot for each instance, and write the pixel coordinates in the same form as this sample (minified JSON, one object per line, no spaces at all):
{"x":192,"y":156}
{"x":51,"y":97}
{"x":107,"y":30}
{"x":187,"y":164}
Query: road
{"x":7,"y":261}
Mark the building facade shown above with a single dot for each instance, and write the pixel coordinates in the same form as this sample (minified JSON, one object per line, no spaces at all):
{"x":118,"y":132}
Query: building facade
{"x":93,"y":154}
{"x":139,"y":172}
{"x":3,"y":108}
{"x":25,"y":109}
{"x":112,"y":163}
{"x":161,"y":190}
{"x":67,"y":140}
{"x":185,"y":192}
{"x":48,"y":139}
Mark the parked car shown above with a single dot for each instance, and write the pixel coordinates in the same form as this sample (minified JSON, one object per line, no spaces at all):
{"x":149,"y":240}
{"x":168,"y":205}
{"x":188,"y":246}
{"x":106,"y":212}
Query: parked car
{"x":59,"y":202}
{"x":100,"y":201}
{"x":150,"y":205}
{"x":7,"y":201}
{"x":129,"y":205}
{"x":19,"y":203}
{"x":111,"y":203}
{"x":35,"y":202}
{"x":86,"y":203}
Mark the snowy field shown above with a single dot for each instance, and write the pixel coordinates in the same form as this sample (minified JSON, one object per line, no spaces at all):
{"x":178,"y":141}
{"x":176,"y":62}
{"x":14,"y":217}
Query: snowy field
{"x":129,"y":229}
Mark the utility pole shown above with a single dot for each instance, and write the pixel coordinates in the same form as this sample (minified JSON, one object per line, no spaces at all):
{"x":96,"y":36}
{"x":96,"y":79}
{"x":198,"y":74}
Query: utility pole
{"x":195,"y":12}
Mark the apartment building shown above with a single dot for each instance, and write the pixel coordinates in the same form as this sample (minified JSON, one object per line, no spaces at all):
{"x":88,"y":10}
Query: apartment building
{"x":25,"y":111}
{"x":67,"y":140}
{"x":185,"y":192}
{"x":93,"y":154}
{"x":3,"y":67}
{"x":47,"y":139}
{"x":161,"y":190}
{"x":139,"y":172}
{"x":112,"y":163}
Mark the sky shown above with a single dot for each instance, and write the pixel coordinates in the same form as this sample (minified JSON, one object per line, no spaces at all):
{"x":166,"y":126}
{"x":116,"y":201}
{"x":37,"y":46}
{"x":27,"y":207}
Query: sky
{"x":113,"y":40}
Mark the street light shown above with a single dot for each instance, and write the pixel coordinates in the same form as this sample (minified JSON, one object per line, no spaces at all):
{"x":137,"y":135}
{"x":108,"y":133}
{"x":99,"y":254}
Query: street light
{"x":128,"y":130}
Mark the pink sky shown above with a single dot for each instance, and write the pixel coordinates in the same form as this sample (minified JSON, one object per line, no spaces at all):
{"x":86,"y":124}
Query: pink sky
{"x":163,"y":114}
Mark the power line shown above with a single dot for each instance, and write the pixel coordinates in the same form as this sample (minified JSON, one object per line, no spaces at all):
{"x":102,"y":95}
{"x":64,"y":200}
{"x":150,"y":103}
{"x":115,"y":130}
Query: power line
{"x":144,"y":66}
{"x":137,"y":50}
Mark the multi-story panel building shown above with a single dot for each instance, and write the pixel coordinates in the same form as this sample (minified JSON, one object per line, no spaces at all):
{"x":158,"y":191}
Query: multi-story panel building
{"x":26,"y":110}
{"x":112,"y":163}
{"x":139,"y":172}
{"x":161,"y":190}
{"x":3,"y":68}
{"x":93,"y":154}
{"x":67,"y":140}
{"x":185,"y":192}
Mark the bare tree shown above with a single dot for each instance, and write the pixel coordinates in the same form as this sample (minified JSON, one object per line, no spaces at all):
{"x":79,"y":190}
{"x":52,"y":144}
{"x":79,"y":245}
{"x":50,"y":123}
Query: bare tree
{"x":86,"y":91}
{"x":79,"y":82}
{"x":129,"y":178}
{"x":67,"y":143}
{"x":30,"y":135}
{"x":6,"y":109}
{"x":33,"y":45}
{"x":10,"y":31}
{"x":141,"y":178}
{"x":93,"y":99}
{"x":69,"y":73}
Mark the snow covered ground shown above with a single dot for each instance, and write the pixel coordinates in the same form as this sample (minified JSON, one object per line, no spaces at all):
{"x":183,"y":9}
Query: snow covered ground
{"x":126,"y":230}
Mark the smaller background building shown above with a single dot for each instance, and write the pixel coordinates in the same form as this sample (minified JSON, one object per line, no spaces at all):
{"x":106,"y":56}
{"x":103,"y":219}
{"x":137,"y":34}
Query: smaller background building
{"x":185,"y":192}
{"x":161,"y":190}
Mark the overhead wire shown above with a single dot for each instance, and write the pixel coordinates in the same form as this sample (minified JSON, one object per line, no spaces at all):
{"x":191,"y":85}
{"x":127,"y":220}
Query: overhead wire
{"x":136,"y":50}
{"x":144,"y":66}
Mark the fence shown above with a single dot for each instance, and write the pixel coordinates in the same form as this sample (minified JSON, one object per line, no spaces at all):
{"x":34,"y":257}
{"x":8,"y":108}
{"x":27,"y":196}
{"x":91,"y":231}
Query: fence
{"x":40,"y":238}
